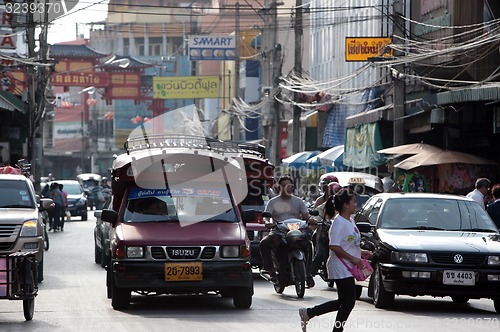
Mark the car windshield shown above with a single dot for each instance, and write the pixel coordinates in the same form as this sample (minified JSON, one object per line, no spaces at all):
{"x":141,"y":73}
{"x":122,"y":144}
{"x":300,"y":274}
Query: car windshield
{"x":72,"y":188}
{"x":435,"y":214}
{"x":186,"y":204}
{"x":15,"y":194}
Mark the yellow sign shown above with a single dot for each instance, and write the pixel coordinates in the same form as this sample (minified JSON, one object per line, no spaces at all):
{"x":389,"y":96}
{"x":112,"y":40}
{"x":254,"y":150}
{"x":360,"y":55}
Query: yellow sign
{"x":361,"y":49}
{"x":186,"y":87}
{"x":356,"y":180}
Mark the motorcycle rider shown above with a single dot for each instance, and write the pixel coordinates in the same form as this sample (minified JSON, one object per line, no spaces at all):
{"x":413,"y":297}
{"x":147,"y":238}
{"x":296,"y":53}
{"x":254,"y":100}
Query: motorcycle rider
{"x":321,"y":238}
{"x":323,"y":185}
{"x":282,"y":207}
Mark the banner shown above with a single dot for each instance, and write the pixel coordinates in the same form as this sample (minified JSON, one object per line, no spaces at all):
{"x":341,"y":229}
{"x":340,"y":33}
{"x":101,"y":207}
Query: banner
{"x":205,"y":47}
{"x":186,"y":87}
{"x":362,"y":49}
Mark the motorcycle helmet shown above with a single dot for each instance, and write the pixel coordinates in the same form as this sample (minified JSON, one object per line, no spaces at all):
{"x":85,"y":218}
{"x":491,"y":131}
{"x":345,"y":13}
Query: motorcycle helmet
{"x":326,"y":180}
{"x":334,"y":188}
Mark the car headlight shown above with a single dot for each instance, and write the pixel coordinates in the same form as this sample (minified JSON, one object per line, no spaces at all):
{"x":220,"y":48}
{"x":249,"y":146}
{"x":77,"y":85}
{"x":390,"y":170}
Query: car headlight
{"x":230,"y":251}
{"x":409,"y":257}
{"x":493,"y":260}
{"x":135,"y":252}
{"x":29,"y":228}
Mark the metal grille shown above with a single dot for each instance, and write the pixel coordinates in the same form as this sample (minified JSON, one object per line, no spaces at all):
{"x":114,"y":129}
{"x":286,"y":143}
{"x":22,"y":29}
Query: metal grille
{"x":183,"y":252}
{"x":208,"y":253}
{"x":7,"y":230}
{"x":158,"y":253}
{"x":468,"y":259}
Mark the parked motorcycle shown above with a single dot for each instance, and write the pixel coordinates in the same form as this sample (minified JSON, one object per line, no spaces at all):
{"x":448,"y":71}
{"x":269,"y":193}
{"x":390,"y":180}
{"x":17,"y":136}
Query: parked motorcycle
{"x":297,"y":239}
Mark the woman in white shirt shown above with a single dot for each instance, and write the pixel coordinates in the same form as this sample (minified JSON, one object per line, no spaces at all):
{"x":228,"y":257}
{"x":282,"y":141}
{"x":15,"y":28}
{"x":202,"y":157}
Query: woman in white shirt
{"x":345,"y":242}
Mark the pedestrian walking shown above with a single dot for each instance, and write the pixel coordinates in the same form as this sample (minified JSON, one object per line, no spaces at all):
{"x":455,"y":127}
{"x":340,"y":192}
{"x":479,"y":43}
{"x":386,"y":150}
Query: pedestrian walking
{"x":55,"y":213}
{"x":345,"y":240}
{"x":493,"y":208}
{"x":64,"y":208}
{"x":481,"y":190}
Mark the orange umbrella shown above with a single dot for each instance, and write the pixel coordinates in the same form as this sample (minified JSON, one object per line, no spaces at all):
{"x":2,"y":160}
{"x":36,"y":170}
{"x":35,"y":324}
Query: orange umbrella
{"x":414,"y":148}
{"x":442,"y":157}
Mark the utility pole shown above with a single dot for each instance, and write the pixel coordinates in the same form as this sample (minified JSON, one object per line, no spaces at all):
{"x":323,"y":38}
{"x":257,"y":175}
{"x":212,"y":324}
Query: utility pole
{"x":277,"y":104}
{"x":32,"y":107}
{"x":298,"y":71}
{"x":398,"y":77}
{"x":276,"y":63}
{"x":234,"y":117}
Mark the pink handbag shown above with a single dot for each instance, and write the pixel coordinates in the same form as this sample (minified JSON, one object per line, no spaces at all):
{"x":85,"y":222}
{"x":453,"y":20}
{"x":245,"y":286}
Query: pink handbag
{"x":360,"y":274}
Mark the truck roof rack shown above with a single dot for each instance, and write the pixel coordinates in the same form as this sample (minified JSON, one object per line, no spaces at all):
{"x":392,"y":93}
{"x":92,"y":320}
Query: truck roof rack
{"x":165,"y":141}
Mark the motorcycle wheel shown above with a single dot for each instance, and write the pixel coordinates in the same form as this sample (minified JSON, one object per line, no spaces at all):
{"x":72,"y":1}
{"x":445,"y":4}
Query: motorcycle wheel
{"x":29,"y":308}
{"x":299,"y":268}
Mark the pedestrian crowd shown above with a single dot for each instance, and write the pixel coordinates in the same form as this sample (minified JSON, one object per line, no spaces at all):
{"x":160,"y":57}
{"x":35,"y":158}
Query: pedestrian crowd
{"x":57,"y":215}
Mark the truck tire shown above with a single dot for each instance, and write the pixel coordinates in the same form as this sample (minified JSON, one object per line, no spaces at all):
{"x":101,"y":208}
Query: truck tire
{"x":242,"y":298}
{"x":120,"y":297}
{"x":97,"y":254}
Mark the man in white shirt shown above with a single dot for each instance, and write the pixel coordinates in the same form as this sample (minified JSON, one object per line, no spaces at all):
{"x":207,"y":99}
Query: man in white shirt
{"x":482,"y":188}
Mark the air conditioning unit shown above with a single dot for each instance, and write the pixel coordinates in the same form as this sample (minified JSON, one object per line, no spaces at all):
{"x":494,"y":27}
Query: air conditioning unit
{"x":437,"y":115}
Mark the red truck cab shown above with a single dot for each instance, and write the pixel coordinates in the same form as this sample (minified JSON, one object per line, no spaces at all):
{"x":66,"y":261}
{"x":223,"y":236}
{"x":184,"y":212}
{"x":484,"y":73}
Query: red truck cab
{"x":177,"y":226}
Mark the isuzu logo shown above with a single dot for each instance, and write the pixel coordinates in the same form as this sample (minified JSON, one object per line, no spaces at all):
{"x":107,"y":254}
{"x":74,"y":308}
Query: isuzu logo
{"x":183,"y":252}
{"x":458,"y":258}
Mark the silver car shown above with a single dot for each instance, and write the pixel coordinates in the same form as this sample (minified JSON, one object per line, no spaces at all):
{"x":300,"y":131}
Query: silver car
{"x":21,"y":225}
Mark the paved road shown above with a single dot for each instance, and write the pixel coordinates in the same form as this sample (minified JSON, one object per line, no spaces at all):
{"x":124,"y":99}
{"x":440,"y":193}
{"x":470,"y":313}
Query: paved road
{"x":73,"y":298}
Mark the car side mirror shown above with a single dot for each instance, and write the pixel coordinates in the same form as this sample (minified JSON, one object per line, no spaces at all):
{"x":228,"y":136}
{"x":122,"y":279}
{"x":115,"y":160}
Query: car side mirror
{"x":98,"y":214}
{"x":248,"y":216}
{"x":46,"y":204}
{"x":109,"y":216}
{"x":364,"y":227}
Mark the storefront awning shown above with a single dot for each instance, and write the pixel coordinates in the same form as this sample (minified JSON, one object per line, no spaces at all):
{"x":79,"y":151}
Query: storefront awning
{"x":481,"y":93}
{"x":370,"y":116}
{"x":12,"y":102}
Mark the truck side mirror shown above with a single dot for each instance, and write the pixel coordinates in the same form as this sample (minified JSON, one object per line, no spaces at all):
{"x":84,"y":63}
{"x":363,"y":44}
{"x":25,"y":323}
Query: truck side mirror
{"x":109,"y":216}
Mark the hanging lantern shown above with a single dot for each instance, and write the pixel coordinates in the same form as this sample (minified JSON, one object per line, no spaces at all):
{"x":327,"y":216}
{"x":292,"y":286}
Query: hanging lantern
{"x":134,"y":120}
{"x":138,"y":118}
{"x":91,"y":101}
{"x":146,"y":119}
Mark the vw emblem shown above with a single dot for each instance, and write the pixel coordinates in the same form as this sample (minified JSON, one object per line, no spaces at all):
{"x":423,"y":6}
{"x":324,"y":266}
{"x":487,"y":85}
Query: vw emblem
{"x":458,"y":258}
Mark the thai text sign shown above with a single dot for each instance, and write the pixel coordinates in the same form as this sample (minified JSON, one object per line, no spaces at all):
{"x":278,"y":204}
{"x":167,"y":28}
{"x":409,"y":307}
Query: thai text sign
{"x":361,"y":49}
{"x":212,"y":48}
{"x":186,"y":87}
{"x":96,"y":79}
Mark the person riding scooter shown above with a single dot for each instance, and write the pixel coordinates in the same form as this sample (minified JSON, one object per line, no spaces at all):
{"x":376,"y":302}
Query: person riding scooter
{"x":282,"y":207}
{"x":321,"y":233}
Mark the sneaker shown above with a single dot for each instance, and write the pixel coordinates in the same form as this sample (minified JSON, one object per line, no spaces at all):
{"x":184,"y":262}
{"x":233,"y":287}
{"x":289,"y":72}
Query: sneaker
{"x":304,"y":318}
